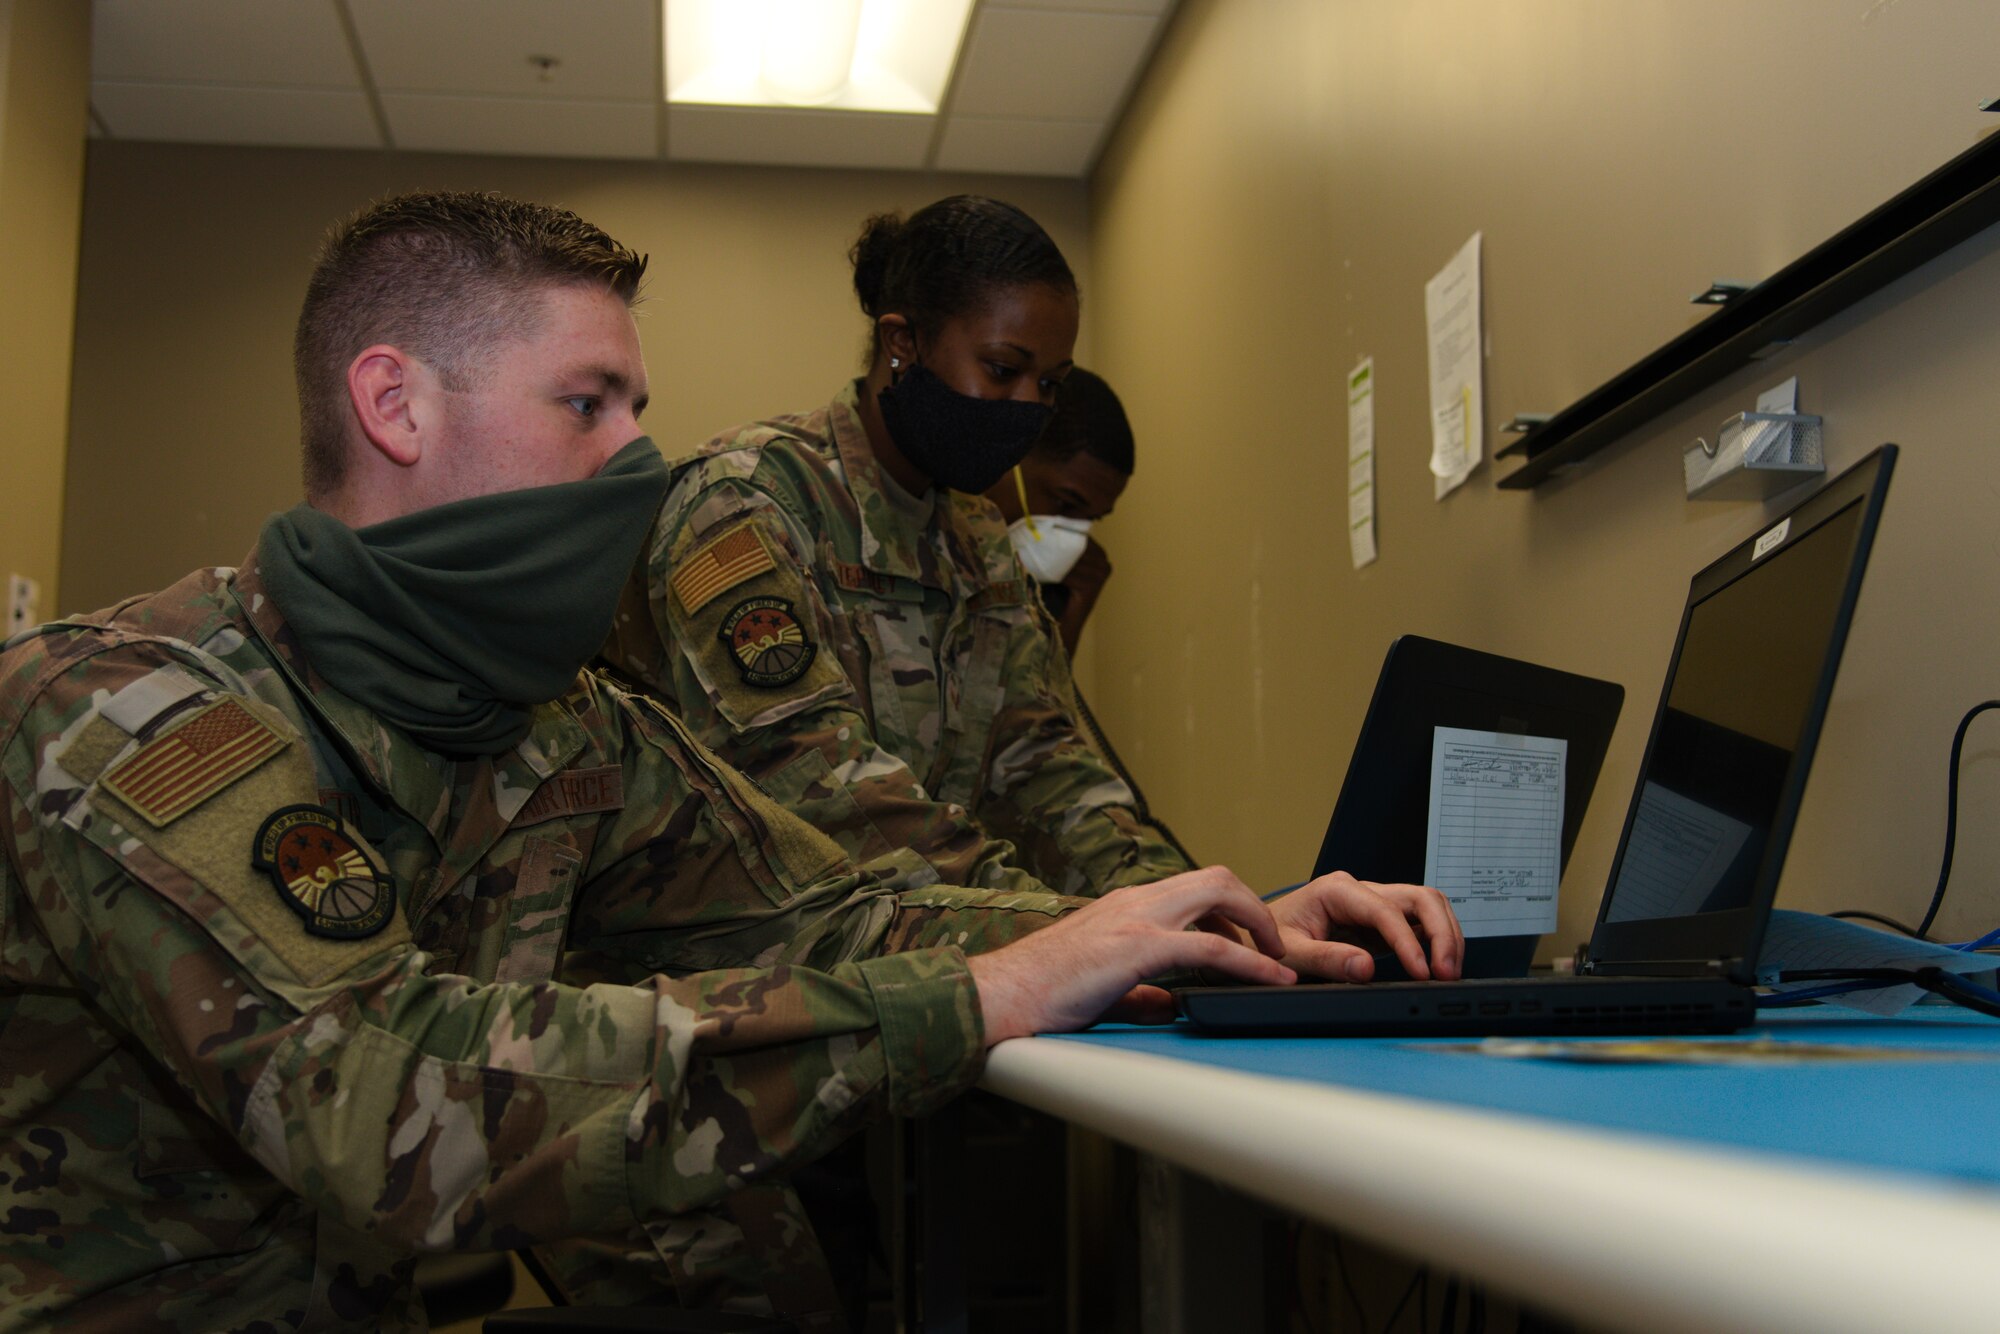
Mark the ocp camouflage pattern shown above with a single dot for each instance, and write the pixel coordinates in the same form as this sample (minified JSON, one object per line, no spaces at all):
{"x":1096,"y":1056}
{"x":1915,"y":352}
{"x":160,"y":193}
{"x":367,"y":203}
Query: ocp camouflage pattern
{"x":211,"y":1119}
{"x":937,"y":712}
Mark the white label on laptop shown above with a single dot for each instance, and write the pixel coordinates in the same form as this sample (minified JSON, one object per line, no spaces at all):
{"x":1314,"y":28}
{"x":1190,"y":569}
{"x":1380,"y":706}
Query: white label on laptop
{"x":1495,"y":845}
{"x":1770,"y":540}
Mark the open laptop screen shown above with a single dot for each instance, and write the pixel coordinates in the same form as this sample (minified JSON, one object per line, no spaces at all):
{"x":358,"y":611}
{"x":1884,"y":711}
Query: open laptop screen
{"x":1743,"y":698}
{"x":1739,"y":719}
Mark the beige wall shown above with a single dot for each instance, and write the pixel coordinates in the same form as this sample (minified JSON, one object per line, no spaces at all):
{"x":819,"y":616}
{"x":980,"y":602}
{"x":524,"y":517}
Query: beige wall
{"x":194,"y":260}
{"x":1291,"y":174}
{"x":44,"y":103}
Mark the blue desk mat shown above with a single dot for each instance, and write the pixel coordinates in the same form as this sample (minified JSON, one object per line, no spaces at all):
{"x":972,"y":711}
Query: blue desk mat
{"x":1933,"y":1117}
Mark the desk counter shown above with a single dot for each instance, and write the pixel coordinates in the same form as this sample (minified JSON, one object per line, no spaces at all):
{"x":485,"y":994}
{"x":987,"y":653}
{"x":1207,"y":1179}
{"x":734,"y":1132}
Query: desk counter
{"x":1849,"y":1195}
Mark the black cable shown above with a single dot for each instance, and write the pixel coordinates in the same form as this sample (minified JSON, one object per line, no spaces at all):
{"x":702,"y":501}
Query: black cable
{"x":1934,"y":980}
{"x":1448,"y":1307}
{"x":1144,"y":810}
{"x":1304,"y":1302}
{"x":1389,"y":1325}
{"x":1955,"y":988}
{"x":1347,"y":1281}
{"x":1885,"y":975}
{"x":1922,"y":930}
{"x":1951,"y":816}
{"x":1890,"y":922}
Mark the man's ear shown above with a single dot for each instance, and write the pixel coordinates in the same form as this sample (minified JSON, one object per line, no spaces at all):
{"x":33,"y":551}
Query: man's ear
{"x":387,"y":388}
{"x":898,"y":340}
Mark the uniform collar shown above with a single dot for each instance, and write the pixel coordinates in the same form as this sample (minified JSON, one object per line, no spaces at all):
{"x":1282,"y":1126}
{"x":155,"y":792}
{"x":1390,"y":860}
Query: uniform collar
{"x":418,"y":780}
{"x":896,"y":531}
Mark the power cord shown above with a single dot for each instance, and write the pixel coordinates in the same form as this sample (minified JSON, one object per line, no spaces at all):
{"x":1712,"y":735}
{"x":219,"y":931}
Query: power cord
{"x":1788,"y":999}
{"x":1347,"y":1281}
{"x":1951,"y":816}
{"x":1419,"y":1279}
{"x":1922,"y":930}
{"x":1937,"y":981}
{"x":1860,"y":915}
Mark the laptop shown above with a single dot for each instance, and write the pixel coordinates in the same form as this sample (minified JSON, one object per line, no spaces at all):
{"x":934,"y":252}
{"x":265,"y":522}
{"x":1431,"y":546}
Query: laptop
{"x":1381,"y":820}
{"x":1680,"y":925}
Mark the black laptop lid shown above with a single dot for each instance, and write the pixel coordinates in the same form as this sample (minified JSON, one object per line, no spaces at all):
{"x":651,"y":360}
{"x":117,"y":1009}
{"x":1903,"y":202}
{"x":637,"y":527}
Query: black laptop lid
{"x":1740,"y":714}
{"x":1381,"y":819}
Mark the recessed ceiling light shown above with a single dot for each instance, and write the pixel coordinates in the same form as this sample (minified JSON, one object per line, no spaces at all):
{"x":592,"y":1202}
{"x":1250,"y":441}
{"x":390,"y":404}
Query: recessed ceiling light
{"x":845,"y":55}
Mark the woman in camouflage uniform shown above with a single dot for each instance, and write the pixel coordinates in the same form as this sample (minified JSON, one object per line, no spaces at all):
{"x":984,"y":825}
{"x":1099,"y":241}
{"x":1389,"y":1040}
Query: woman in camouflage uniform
{"x":833,"y":605}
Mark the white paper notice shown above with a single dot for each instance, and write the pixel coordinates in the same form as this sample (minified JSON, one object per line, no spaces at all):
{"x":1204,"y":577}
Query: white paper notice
{"x":1495,"y":844}
{"x":1361,"y":462}
{"x":1451,"y":313}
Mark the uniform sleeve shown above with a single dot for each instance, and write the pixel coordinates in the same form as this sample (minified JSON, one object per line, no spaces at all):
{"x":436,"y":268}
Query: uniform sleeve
{"x":747,"y":878}
{"x":1052,"y":792}
{"x":427,"y":1109}
{"x":724,"y":555}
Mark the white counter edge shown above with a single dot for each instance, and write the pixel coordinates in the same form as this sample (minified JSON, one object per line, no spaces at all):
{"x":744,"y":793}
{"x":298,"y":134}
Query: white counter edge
{"x":1620,"y":1230}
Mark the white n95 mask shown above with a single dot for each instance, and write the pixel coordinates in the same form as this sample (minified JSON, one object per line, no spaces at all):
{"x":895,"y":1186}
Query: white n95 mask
{"x":1049,"y":545}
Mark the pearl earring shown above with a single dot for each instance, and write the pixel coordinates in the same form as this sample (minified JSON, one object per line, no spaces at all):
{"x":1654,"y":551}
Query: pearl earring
{"x":895,"y":363}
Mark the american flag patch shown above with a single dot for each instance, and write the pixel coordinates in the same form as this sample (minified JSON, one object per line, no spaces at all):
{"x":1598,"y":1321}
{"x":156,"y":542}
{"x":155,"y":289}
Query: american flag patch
{"x":720,"y":566}
{"x":171,"y":775}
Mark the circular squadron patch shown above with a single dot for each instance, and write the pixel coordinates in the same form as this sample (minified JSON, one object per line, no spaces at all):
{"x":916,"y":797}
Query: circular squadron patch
{"x":769,"y":644}
{"x":322,"y":874}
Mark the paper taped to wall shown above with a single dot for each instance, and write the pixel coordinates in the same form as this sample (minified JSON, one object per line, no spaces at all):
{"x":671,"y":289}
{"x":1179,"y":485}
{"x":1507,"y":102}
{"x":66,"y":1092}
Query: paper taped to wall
{"x":1452,"y":314}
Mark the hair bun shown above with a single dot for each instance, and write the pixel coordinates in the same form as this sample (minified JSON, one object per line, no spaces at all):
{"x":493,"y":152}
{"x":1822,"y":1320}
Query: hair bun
{"x":948,"y":258}
{"x":870,"y":256}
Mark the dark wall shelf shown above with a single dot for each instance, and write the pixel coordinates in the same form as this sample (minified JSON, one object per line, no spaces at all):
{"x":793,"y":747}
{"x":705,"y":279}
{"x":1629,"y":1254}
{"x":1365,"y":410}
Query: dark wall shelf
{"x":1952,"y":204}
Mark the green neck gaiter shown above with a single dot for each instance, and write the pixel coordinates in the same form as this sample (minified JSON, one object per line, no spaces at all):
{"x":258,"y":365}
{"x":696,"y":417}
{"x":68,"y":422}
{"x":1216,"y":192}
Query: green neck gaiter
{"x":454,"y":622}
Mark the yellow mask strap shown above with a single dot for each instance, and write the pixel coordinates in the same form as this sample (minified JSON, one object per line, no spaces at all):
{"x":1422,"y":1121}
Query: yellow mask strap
{"x":1021,"y":486}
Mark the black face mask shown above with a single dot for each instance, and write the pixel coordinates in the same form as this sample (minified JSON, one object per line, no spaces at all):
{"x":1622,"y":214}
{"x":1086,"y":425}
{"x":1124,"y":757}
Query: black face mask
{"x":956,"y":440}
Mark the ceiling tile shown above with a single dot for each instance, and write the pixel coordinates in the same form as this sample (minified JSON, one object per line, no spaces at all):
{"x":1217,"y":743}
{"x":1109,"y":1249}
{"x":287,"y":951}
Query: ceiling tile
{"x":607,"y":49}
{"x":797,"y":138}
{"x":521,"y":126}
{"x":1039,"y":80}
{"x":1062,"y":66}
{"x":1157,"y":8}
{"x":1018,"y":147}
{"x":221,"y":41}
{"x":211,"y":114}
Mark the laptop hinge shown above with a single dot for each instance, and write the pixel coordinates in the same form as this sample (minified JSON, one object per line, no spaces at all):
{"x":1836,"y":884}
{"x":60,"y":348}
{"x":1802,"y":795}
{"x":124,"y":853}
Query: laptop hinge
{"x":1662,"y":968}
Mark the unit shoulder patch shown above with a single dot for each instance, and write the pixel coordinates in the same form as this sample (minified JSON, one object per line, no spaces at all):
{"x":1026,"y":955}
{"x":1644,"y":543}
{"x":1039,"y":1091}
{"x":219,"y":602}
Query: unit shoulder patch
{"x":766,"y":651}
{"x":719,"y":565}
{"x":322,"y":874}
{"x":177,"y":771}
{"x":766,"y":640}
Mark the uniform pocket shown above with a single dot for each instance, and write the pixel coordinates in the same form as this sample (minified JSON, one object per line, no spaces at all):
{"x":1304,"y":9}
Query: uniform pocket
{"x":807,"y":787}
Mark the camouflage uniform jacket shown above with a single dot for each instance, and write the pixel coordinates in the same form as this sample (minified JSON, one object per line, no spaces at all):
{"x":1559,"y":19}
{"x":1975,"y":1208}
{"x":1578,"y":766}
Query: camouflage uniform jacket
{"x":275,"y":1008}
{"x":882,"y":666}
